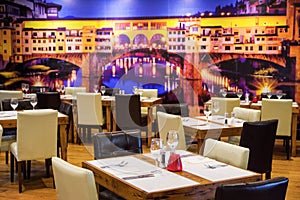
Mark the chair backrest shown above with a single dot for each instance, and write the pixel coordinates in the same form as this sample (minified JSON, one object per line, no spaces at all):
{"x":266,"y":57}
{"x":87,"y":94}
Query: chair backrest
{"x":259,"y":137}
{"x":72,"y":182}
{"x":167,"y":122}
{"x":37,"y":134}
{"x":227,"y":153}
{"x":247,"y":114}
{"x":48,"y":100}
{"x":8,"y":94}
{"x":89,"y":107}
{"x":74,"y":90}
{"x":128,"y":111}
{"x":280,"y":109}
{"x":119,"y":143}
{"x":225,"y":104}
{"x":271,"y":189}
{"x":150,"y":93}
{"x":111,"y":91}
{"x":175,"y":109}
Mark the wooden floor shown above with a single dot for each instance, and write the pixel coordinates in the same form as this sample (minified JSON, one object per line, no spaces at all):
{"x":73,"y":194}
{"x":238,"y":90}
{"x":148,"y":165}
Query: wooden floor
{"x":42,"y":188}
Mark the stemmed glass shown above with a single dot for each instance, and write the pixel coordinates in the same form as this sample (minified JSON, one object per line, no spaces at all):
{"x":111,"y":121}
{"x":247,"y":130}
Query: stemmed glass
{"x":172,"y":140}
{"x":224,"y":92}
{"x":33,"y":101}
{"x":215,"y":106}
{"x":207,"y":111}
{"x":269,"y":95}
{"x":26,"y":88}
{"x":23,"y":87}
{"x":14,"y":103}
{"x":58,"y":88}
{"x":239,"y":93}
{"x":102,"y":89}
{"x":62,"y":89}
{"x":96,"y":88}
{"x":134,"y":89}
{"x":279,"y":94}
{"x":155,"y":148}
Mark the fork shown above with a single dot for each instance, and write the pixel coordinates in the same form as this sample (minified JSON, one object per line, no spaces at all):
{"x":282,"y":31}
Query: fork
{"x":120,"y":164}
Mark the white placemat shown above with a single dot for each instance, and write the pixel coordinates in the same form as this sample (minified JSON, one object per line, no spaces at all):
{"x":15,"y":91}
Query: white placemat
{"x":159,"y":180}
{"x":8,"y":114}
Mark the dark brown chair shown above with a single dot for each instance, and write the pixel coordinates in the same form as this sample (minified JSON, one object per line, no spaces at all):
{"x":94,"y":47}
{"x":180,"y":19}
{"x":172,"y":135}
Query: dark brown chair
{"x":259,"y":137}
{"x":175,"y":109}
{"x":48,"y":100}
{"x":271,"y":189}
{"x":128,"y":113}
{"x":111,"y":91}
{"x":36,"y":89}
{"x":119,"y":143}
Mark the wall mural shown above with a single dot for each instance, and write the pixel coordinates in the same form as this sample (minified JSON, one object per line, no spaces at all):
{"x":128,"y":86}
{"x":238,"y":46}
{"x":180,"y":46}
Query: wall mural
{"x":240,"y":45}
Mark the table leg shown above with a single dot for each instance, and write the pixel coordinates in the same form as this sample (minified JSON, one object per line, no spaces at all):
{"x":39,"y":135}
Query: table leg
{"x":63,"y":141}
{"x":108,"y":118}
{"x":200,"y":143}
{"x":294,"y":134}
{"x":149,"y":122}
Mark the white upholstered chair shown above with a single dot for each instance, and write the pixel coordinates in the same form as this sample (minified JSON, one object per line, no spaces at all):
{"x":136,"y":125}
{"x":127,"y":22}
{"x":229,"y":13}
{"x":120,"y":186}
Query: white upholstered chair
{"x":225,"y":104}
{"x":148,"y":93}
{"x":73,"y":182}
{"x":1,"y":131}
{"x":89,"y":113}
{"x":36,"y":140}
{"x":74,"y":90}
{"x":280,"y":109}
{"x":168,"y":122}
{"x":246,"y":114}
{"x":226,"y":153}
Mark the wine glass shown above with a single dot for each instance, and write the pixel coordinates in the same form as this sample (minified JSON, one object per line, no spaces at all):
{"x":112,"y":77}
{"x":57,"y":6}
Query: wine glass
{"x":102,"y":89}
{"x":269,"y":95}
{"x":23,"y":87}
{"x":207,"y":111}
{"x":239,"y":93}
{"x":33,"y":101}
{"x":26,"y":88}
{"x":96,"y":88}
{"x":224,"y":92}
{"x":172,"y":140}
{"x":134,"y":89}
{"x":155,"y":148}
{"x":215,"y":106}
{"x":14,"y":103}
{"x":62,"y":89}
{"x":279,"y":94}
{"x":58,"y":88}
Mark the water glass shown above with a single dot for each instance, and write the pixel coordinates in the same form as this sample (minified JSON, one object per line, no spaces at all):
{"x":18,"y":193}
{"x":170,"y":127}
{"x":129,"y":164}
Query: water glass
{"x":279,"y":94}
{"x":102,"y":89}
{"x":239,"y":93}
{"x":155,"y":149}
{"x":215,"y":106}
{"x":207,"y":111}
{"x":96,"y":88}
{"x":33,"y":101}
{"x":14,"y":103}
{"x":224,"y":92}
{"x":172,"y":140}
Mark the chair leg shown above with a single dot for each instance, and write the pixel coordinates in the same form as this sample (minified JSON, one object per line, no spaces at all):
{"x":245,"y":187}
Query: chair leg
{"x":28,"y":168}
{"x":287,"y":148}
{"x":23,"y":169}
{"x":268,"y":175}
{"x":20,"y":163}
{"x":47,"y":163}
{"x":12,"y":161}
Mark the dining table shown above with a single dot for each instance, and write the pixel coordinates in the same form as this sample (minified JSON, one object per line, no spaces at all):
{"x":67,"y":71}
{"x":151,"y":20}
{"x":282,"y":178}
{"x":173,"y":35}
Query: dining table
{"x":109,"y":103}
{"x":201,"y":127}
{"x":139,"y":178}
{"x":8,"y":119}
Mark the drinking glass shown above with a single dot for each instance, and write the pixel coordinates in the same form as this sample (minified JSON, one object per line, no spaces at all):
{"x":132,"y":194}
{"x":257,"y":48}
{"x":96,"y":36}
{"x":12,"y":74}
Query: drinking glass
{"x":239,"y":93}
{"x":14,"y":103}
{"x":96,"y":88}
{"x":23,"y":87}
{"x":155,"y":148}
{"x":279,"y":94}
{"x":224,"y":92}
{"x":62,"y":89}
{"x":102,"y":89}
{"x":58,"y":88}
{"x":134,"y":89}
{"x":172,"y":140}
{"x":207,"y":111}
{"x":33,"y":101}
{"x":216,"y":107}
{"x":26,"y":88}
{"x":269,"y":95}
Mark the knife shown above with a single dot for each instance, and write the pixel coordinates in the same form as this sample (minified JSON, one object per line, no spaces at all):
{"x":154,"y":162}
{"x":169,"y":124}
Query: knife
{"x":138,"y":176}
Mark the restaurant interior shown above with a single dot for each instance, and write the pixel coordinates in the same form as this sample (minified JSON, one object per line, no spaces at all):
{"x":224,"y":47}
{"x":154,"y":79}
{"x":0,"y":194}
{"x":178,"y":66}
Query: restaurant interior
{"x":211,"y":113}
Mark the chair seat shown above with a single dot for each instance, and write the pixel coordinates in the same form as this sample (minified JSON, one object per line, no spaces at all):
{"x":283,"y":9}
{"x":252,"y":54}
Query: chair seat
{"x":6,"y":142}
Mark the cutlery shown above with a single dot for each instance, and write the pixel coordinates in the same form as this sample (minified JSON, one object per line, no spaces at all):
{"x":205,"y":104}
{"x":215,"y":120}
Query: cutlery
{"x":214,"y":165}
{"x":120,"y":164}
{"x":138,"y":176}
